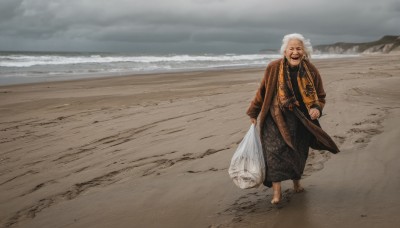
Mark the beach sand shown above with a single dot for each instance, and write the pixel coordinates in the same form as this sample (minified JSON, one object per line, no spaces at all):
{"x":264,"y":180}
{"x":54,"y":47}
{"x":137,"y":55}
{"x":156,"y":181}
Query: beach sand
{"x":153,"y":151}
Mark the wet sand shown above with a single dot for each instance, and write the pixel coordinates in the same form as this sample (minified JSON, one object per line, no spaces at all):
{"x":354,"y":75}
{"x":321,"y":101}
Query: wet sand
{"x":153,"y":151}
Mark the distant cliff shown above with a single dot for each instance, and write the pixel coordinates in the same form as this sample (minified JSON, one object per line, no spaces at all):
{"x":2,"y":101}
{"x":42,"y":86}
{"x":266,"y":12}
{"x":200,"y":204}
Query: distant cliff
{"x":386,"y":44}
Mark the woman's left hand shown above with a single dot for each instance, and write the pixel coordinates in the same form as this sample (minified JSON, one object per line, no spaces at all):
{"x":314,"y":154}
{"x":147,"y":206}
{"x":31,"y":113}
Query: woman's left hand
{"x":314,"y":113}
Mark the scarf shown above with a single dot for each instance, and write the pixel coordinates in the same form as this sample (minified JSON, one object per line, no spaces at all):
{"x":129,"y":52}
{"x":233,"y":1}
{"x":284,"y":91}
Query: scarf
{"x":285,"y":94}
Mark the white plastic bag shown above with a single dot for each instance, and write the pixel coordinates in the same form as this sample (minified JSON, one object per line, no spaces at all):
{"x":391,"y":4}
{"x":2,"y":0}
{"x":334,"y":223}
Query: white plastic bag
{"x":247,"y":167}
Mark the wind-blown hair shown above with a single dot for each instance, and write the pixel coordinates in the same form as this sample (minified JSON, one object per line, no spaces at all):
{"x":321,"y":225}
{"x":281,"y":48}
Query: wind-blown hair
{"x":297,"y":36}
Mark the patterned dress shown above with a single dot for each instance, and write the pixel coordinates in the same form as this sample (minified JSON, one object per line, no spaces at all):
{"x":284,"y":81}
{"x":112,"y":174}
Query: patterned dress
{"x":282,"y":162}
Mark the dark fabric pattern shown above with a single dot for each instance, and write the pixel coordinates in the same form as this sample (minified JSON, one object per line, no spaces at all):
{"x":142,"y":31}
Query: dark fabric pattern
{"x":282,"y":162}
{"x":294,"y":73}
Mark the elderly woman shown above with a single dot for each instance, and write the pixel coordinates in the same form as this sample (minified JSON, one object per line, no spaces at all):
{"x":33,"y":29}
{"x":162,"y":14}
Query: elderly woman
{"x":288,"y":104}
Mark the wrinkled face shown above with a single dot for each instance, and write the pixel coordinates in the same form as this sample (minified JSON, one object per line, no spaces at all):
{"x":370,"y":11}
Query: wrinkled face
{"x":294,"y":52}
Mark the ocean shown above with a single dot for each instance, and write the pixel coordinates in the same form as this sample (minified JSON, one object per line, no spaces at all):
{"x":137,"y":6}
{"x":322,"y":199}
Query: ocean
{"x":29,"y":67}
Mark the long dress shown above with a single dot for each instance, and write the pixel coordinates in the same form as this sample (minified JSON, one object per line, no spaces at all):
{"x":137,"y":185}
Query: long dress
{"x":282,"y":162}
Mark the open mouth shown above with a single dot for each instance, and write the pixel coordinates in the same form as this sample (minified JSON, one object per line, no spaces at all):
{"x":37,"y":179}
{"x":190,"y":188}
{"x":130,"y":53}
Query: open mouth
{"x":295,"y":58}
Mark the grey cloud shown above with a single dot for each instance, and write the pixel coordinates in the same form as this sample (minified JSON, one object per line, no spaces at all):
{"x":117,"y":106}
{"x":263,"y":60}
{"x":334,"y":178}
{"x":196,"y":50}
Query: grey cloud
{"x":8,"y":9}
{"x":190,"y":23}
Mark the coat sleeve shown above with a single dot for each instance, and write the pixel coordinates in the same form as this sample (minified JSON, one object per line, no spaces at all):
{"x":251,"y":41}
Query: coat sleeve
{"x":257,"y":102}
{"x":319,"y":88}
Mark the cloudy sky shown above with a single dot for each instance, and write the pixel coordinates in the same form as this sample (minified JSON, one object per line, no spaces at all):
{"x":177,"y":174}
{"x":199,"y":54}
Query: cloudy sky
{"x":241,"y":26}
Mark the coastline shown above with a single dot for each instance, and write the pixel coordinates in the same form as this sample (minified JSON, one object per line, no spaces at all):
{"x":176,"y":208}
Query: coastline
{"x":90,"y":77}
{"x":25,"y":67}
{"x":154,"y":149}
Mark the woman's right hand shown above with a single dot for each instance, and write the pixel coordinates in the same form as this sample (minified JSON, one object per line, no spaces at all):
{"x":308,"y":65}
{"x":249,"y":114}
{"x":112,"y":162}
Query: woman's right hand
{"x":253,"y":120}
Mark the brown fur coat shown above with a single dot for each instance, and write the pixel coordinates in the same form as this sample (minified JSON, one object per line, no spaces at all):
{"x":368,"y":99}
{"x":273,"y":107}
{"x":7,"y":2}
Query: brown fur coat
{"x":260,"y":106}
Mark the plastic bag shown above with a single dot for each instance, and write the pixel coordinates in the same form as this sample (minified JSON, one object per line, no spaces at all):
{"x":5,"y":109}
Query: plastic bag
{"x":247,"y":168}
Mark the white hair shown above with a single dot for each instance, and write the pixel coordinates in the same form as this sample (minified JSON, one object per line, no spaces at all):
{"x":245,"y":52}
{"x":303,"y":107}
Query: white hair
{"x":296,"y":36}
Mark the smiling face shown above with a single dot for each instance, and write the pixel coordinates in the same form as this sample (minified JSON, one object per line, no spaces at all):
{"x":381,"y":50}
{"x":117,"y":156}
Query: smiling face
{"x":294,"y":52}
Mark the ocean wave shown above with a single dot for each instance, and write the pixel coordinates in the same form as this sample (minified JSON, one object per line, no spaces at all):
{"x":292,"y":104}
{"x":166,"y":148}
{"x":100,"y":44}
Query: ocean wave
{"x":67,"y":65}
{"x":35,"y":60}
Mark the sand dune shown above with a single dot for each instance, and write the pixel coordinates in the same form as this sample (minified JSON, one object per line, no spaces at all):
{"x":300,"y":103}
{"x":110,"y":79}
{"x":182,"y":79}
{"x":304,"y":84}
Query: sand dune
{"x":153,"y":151}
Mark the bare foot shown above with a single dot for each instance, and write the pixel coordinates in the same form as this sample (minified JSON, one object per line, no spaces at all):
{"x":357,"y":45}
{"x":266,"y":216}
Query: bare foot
{"x":297,"y":186}
{"x":276,"y":186}
{"x":276,"y":199}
